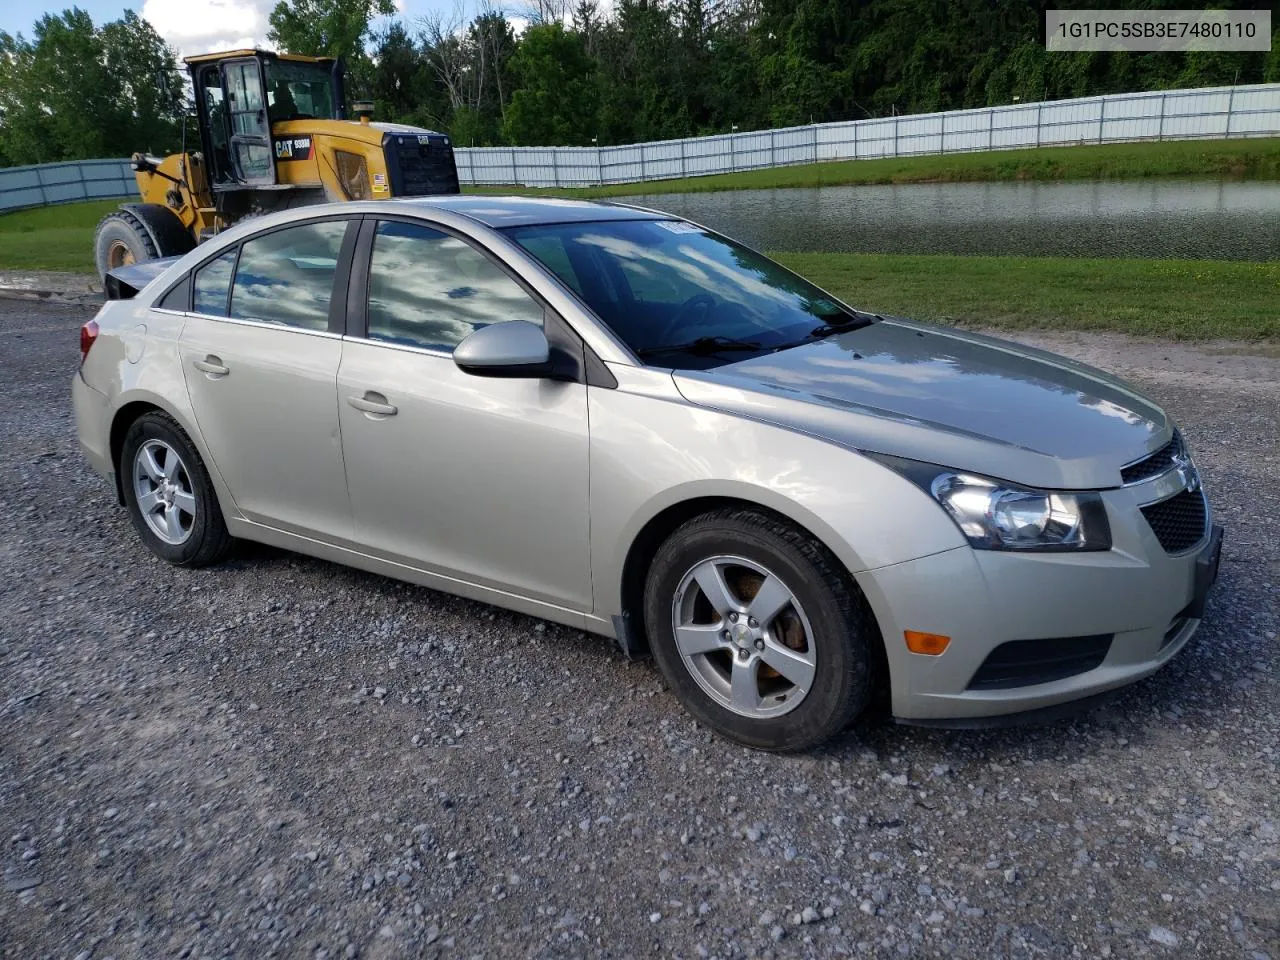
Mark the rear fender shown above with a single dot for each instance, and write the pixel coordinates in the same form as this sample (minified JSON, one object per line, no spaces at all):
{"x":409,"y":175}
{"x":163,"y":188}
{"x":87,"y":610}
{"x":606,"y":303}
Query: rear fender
{"x":133,"y":404}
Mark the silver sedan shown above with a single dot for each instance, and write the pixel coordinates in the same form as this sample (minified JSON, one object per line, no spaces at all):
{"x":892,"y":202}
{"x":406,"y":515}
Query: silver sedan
{"x":624,"y":422}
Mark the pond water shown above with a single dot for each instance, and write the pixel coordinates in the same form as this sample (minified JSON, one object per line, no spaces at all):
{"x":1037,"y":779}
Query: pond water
{"x":1229,"y":220}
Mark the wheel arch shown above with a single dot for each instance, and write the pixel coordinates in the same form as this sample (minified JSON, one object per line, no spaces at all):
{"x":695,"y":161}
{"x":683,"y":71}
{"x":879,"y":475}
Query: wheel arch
{"x":655,"y":531}
{"x":136,"y":406}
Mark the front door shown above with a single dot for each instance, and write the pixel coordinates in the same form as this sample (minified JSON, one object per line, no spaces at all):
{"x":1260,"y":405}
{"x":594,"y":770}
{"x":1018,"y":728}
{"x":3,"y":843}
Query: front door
{"x":478,"y":478}
{"x":251,"y":156}
{"x":261,"y":365}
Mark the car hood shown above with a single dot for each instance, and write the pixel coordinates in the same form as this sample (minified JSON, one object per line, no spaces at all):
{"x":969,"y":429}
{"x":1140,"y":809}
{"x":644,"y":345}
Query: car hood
{"x":957,"y":399}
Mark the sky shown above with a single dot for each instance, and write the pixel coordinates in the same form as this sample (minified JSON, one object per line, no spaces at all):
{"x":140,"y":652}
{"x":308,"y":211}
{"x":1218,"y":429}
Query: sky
{"x":190,"y":26}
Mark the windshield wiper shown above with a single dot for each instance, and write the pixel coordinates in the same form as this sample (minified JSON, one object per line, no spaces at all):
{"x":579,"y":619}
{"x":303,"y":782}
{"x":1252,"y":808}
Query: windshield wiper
{"x":842,"y":323}
{"x":839,"y":323}
{"x":701,"y":347}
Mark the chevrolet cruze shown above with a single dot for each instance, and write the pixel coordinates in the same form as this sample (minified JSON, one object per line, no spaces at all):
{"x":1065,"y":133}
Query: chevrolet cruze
{"x":624,"y":422}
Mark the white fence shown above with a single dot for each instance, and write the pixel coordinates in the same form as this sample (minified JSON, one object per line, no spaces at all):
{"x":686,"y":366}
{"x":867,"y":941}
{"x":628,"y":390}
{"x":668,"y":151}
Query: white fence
{"x":1201,"y":114}
{"x":48,"y":183}
{"x":1214,"y":112}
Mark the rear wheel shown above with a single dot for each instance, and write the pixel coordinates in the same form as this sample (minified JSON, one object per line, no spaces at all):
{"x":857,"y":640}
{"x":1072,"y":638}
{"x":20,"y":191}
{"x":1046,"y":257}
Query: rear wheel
{"x":759,"y":630}
{"x":169,"y":495}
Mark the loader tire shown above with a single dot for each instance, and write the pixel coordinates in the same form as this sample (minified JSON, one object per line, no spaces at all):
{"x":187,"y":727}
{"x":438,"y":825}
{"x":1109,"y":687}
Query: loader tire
{"x":136,"y":233}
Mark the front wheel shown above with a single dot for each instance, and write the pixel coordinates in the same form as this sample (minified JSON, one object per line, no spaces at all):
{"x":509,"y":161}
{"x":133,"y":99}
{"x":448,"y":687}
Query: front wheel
{"x":759,"y":630}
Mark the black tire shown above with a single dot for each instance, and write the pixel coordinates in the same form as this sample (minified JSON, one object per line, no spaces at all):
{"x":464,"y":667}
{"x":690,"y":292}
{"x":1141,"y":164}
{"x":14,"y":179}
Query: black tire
{"x":170,"y":237}
{"x":138,"y":232}
{"x":122,"y":239}
{"x":844,"y":632}
{"x":207,"y":541}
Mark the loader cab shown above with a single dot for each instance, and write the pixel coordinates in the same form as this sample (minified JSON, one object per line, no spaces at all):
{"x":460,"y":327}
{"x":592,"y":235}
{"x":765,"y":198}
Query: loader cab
{"x":239,"y":95}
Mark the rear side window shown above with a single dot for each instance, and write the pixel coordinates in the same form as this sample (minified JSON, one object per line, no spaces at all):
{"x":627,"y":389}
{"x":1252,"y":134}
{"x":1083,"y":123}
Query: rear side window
{"x":428,"y":289}
{"x":213,"y":280}
{"x":286,"y":276}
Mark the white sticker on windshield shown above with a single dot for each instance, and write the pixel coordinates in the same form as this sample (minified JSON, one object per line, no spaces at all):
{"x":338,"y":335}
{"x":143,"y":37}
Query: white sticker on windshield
{"x":677,"y":226}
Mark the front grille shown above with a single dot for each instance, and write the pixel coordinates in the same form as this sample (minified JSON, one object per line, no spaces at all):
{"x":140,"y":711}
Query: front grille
{"x":1179,"y":523}
{"x":420,"y":169}
{"x":1155,"y":464}
{"x":1022,"y":663}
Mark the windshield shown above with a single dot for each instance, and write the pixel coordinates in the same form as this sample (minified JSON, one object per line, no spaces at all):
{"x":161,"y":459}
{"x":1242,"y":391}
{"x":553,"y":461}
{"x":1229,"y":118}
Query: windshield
{"x":299,"y":91}
{"x":680,"y":296}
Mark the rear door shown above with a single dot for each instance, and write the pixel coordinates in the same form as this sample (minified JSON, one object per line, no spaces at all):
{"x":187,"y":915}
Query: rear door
{"x":260,"y":355}
{"x":251,"y":155}
{"x":479,"y":478}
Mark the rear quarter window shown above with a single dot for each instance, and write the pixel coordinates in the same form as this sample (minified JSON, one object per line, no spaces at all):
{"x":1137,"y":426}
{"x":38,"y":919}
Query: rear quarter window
{"x":178,"y":298}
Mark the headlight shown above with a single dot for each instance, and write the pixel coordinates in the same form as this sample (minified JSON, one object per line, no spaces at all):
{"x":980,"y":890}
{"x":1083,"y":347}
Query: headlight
{"x":995,"y":515}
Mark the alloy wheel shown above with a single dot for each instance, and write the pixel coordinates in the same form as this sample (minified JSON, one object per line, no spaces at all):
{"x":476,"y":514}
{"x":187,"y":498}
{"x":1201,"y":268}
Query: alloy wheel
{"x":162,"y":487}
{"x":744,"y":637}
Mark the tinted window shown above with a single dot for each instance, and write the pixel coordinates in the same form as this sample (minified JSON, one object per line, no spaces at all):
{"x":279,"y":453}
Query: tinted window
{"x":550,"y":250}
{"x":429,"y":289}
{"x":299,"y":91}
{"x":212,"y":282}
{"x":179,"y":297}
{"x":681,"y":296}
{"x":287,"y":276}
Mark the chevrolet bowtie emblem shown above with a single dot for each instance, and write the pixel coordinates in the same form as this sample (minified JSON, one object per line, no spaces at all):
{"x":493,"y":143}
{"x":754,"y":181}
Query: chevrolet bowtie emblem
{"x":1188,"y":474}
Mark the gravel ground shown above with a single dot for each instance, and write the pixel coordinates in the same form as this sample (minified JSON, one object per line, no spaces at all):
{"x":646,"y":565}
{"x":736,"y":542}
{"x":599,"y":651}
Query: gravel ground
{"x":282,"y":757}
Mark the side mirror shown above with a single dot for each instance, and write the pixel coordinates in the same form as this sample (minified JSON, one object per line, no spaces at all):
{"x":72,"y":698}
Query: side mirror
{"x":516,"y":348}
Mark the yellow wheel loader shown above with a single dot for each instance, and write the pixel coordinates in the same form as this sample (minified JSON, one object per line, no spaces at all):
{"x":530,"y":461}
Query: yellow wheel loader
{"x":273,"y":135}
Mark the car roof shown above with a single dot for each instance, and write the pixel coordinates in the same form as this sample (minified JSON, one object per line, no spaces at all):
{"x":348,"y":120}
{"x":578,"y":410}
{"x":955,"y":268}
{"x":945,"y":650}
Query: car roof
{"x":524,"y":211}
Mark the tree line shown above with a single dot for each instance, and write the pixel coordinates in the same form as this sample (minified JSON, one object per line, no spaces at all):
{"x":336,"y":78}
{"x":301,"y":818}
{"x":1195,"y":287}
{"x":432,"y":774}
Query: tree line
{"x":578,"y":73}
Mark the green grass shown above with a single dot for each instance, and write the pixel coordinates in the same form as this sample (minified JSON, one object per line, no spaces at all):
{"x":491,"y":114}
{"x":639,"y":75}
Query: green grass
{"x":1250,"y":159}
{"x":52,"y":238}
{"x":1180,"y":299}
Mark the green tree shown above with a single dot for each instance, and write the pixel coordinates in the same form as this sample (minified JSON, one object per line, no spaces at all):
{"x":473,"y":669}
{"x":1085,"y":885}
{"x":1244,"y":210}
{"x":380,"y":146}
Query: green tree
{"x":642,"y":96}
{"x":151,"y":98}
{"x":554,"y":101}
{"x":401,"y":82}
{"x":330,"y":28}
{"x":75,"y":91}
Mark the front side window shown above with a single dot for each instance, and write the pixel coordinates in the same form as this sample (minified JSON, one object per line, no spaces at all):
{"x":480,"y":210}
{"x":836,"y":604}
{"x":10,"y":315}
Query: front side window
{"x":428,"y":289}
{"x":299,"y":91}
{"x":213,"y":280}
{"x":286,"y":276}
{"x":680,"y":296}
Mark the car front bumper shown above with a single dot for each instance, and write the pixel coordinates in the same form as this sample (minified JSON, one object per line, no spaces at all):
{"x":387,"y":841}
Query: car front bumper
{"x":1146,"y":601}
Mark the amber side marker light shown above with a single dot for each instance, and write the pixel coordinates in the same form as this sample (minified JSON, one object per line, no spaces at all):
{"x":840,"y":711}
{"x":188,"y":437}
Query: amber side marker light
{"x":929,"y":644}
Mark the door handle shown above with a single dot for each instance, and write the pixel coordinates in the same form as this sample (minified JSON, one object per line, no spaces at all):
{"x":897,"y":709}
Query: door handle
{"x":374,"y":404}
{"x":212,"y":366}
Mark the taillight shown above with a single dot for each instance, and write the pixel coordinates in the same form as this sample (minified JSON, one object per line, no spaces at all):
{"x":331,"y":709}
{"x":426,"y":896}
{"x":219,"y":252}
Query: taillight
{"x":88,"y":334}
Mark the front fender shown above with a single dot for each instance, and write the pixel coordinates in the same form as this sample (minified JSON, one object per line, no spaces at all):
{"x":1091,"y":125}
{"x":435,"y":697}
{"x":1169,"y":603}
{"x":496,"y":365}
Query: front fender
{"x":651,"y":451}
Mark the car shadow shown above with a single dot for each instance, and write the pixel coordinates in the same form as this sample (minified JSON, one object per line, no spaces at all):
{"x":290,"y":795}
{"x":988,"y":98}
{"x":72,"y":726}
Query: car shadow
{"x":1182,"y":694}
